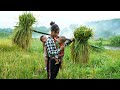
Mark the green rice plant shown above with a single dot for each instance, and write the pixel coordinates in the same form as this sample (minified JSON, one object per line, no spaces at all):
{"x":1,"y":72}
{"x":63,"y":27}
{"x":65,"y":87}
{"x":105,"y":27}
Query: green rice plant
{"x":16,"y":63}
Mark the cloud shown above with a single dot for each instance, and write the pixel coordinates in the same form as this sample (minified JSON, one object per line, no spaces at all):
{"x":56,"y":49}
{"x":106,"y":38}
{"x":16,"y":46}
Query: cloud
{"x":62,"y":18}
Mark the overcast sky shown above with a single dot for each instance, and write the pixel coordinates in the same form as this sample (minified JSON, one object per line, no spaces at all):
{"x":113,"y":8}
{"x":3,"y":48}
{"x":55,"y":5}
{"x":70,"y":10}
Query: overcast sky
{"x":62,"y":18}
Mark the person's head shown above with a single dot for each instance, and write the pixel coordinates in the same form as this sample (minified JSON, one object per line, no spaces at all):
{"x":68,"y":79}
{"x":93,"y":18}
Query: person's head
{"x":54,"y":29}
{"x":61,"y":39}
{"x":43,"y":38}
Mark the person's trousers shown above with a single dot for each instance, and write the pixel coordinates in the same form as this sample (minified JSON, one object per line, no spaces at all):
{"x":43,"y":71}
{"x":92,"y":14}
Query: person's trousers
{"x":52,"y":69}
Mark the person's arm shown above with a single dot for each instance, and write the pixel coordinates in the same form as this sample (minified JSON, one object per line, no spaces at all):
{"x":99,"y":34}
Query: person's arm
{"x":69,"y":41}
{"x":51,"y":48}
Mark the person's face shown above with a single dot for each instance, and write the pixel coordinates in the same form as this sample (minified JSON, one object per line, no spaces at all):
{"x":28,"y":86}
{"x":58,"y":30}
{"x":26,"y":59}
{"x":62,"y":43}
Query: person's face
{"x":59,"y":40}
{"x":44,"y":39}
{"x":55,"y":34}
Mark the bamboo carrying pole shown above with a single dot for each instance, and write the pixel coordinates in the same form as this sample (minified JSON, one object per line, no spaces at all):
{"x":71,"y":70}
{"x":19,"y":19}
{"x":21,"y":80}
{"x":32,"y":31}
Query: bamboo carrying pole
{"x":40,"y":32}
{"x":44,"y":33}
{"x":67,"y":38}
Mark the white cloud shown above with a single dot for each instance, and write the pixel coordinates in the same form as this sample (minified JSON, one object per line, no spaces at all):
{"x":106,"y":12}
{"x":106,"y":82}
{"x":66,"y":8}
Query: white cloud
{"x":62,"y":18}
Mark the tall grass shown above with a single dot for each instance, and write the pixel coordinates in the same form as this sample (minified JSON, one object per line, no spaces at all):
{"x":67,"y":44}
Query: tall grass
{"x":16,"y":63}
{"x":115,"y":40}
{"x":19,"y":64}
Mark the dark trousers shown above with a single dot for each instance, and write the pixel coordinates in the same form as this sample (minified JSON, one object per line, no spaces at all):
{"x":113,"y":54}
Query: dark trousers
{"x":52,"y":69}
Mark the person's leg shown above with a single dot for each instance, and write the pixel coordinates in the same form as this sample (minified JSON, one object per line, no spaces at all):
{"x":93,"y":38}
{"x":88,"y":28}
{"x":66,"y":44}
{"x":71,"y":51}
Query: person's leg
{"x":61,"y":63}
{"x":57,"y":66}
{"x":48,"y":68}
{"x":52,"y":68}
{"x":46,"y":63}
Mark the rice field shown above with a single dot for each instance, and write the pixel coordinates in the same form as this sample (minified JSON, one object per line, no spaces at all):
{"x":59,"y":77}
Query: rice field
{"x":16,"y":63}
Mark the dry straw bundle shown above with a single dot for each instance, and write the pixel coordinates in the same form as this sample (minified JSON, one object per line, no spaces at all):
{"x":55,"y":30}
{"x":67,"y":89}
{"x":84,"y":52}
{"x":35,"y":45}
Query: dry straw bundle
{"x":80,"y":47}
{"x":22,"y":34}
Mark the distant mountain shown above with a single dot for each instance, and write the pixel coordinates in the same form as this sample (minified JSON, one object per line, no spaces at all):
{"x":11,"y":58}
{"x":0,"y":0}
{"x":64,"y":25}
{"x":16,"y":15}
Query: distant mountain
{"x":41,"y":29}
{"x":101,"y":29}
{"x":105,"y":28}
{"x":5,"y":32}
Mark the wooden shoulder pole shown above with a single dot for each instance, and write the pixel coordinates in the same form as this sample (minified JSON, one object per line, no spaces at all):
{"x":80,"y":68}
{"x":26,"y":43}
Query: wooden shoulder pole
{"x":40,"y":32}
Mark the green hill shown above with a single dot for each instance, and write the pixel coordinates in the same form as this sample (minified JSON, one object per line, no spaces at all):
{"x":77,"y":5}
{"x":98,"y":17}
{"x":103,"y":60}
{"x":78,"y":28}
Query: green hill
{"x":105,"y":28}
{"x":5,"y":32}
{"x":101,"y":29}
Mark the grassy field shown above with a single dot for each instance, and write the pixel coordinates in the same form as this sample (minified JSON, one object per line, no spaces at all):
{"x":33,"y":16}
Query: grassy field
{"x":18,"y":64}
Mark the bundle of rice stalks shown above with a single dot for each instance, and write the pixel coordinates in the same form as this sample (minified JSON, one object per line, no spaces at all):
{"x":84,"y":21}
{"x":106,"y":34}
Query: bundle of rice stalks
{"x":22,"y":34}
{"x":80,"y":47}
{"x":82,"y":34}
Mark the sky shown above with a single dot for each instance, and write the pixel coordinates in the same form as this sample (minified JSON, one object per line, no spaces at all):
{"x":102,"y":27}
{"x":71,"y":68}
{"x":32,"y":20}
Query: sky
{"x":8,"y":19}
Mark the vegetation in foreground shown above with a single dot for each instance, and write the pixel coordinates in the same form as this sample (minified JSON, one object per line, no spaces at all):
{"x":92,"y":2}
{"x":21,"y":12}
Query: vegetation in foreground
{"x":19,"y":64}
